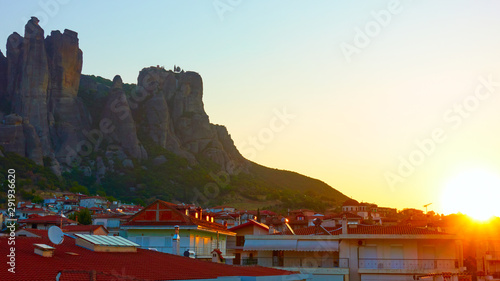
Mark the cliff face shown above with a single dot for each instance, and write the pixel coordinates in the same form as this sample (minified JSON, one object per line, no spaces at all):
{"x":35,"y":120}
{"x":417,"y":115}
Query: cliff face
{"x":173,"y":115}
{"x":141,"y":141}
{"x":67,"y":116}
{"x":44,"y":115}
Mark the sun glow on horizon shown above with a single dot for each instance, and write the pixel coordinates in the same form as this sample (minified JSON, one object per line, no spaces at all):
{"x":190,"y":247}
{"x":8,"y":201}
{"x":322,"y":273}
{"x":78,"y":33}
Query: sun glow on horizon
{"x":473,"y":192}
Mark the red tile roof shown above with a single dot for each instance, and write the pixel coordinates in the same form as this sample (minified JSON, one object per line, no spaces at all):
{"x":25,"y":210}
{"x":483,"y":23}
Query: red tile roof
{"x":170,"y":216}
{"x":250,"y":222}
{"x":365,"y":229}
{"x":267,"y":213}
{"x":350,"y":202}
{"x":52,"y":219}
{"x":40,"y":232}
{"x":34,"y":210}
{"x":75,"y":261}
{"x":111,"y":216}
{"x":81,"y":227}
{"x":347,"y":215}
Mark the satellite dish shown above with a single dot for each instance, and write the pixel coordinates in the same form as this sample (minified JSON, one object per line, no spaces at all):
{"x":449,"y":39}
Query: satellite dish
{"x":56,"y":235}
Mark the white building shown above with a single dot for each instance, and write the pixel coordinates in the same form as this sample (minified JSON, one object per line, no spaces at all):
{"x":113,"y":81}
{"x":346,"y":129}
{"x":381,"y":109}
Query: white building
{"x":361,"y":253}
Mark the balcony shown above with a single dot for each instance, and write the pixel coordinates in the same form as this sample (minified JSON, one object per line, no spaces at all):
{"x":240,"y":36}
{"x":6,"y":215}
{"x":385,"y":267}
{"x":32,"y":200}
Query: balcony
{"x":407,"y":265}
{"x":492,"y":256}
{"x":200,"y":252}
{"x":297,"y":262}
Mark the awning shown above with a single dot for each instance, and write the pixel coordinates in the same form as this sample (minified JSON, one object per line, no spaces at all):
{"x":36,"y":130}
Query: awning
{"x":318,"y":246}
{"x":291,"y":245}
{"x":270,"y":245}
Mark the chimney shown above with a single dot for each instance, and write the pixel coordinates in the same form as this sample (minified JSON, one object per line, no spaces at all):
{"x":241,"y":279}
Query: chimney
{"x":317,"y":222}
{"x":44,"y":250}
{"x":344,"y":224}
{"x":271,"y":229}
{"x":176,"y":242}
{"x":199,"y":210}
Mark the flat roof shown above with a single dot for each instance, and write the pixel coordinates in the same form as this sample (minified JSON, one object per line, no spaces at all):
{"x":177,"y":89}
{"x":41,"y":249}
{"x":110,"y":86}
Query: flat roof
{"x":102,"y":240}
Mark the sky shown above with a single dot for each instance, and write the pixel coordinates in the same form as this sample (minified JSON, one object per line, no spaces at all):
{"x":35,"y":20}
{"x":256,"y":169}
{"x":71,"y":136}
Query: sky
{"x":390,"y":102}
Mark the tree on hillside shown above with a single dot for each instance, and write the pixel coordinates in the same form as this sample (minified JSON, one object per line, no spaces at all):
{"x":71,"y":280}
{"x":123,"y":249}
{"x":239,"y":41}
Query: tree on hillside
{"x":82,"y":217}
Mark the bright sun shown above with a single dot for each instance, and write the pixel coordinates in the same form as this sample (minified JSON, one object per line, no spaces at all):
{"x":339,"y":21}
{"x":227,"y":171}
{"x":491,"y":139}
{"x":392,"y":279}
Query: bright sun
{"x":473,"y":192}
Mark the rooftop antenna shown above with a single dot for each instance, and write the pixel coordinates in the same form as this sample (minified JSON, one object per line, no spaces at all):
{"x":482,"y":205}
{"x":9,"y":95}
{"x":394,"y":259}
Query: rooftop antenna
{"x":56,"y":236}
{"x":425,"y":206}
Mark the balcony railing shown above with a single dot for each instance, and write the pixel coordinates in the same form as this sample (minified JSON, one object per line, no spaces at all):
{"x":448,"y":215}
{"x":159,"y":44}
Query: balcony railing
{"x":302,"y":262}
{"x":492,"y":255}
{"x":408,"y":264}
{"x":199,"y":251}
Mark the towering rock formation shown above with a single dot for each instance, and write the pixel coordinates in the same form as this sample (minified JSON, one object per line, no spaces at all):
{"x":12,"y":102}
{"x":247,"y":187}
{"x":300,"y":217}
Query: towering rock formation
{"x":40,"y":80}
{"x":175,"y":118}
{"x":67,"y":116}
{"x":42,"y":85}
{"x":14,"y":65}
{"x":117,"y":114}
{"x":154,"y":87}
{"x":30,"y":98}
{"x":3,"y":81}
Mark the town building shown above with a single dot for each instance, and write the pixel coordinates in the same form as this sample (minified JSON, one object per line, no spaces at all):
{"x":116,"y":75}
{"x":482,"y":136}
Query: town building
{"x":111,"y":222}
{"x":94,"y":201}
{"x":85,"y":229}
{"x":221,"y":209}
{"x":154,"y":227}
{"x":488,"y":257}
{"x":361,"y":253}
{"x":46,"y":222}
{"x":235,"y":243}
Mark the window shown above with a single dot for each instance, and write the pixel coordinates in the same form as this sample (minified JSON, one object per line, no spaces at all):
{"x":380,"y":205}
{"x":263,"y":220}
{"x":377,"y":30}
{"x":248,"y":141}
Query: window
{"x":142,"y":240}
{"x":240,"y":240}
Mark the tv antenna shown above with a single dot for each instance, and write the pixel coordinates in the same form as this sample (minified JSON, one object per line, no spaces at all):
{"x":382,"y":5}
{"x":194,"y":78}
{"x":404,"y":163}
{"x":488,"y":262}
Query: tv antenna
{"x":425,"y":206}
{"x":56,"y":235}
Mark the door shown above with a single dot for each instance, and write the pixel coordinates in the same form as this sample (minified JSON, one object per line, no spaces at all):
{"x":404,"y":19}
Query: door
{"x":237,"y":259}
{"x":397,"y":257}
{"x":278,"y":258}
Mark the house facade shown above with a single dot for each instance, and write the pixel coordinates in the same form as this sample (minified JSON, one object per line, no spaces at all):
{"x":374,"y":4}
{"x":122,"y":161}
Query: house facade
{"x":94,"y":201}
{"x":236,"y":243}
{"x":111,"y":222}
{"x":362,"y":253}
{"x":154,"y":228}
{"x":488,"y":258}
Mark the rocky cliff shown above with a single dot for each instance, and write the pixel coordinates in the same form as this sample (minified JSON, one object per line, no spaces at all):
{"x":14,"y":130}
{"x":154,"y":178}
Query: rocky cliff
{"x":152,"y":139}
{"x":44,"y":116}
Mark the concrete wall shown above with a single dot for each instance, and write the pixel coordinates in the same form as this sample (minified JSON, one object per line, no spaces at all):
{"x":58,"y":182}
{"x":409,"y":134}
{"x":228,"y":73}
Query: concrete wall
{"x":386,"y":249}
{"x":160,"y":239}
